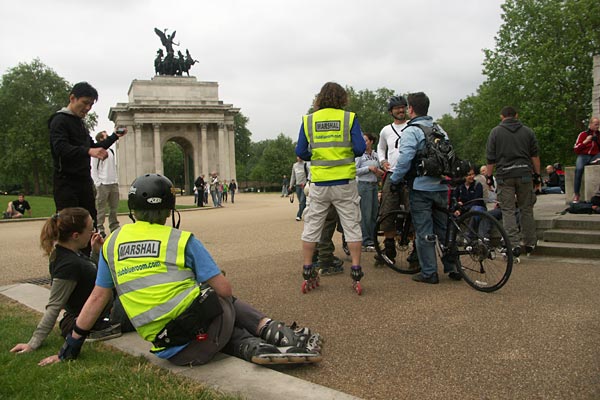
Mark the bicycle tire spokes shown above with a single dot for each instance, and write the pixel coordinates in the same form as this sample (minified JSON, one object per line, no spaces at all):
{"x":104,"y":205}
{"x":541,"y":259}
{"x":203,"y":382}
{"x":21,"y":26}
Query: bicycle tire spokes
{"x":482,"y":256}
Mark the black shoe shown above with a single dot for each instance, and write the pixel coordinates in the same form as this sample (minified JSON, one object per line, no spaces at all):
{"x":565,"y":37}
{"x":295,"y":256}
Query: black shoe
{"x":433,"y":279}
{"x":454,"y":275}
{"x":529,"y":249}
{"x":516,"y":251}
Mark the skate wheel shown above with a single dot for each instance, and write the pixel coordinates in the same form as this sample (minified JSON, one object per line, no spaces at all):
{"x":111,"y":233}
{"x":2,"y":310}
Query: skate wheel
{"x":358,"y":288}
{"x":305,"y":287}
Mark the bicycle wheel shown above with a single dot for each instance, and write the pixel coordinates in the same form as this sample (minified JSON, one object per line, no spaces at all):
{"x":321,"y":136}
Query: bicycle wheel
{"x":403,"y":258}
{"x":484,"y":255}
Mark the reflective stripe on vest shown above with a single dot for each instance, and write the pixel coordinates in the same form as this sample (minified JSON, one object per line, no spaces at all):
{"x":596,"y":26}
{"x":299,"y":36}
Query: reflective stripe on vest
{"x":328,"y":134}
{"x":152,"y":268}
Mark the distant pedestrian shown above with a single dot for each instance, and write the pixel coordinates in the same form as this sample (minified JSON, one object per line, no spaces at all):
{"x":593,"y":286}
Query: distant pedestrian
{"x":106,"y":179}
{"x":199,"y":183}
{"x":284,"y":186}
{"x":232,"y":190}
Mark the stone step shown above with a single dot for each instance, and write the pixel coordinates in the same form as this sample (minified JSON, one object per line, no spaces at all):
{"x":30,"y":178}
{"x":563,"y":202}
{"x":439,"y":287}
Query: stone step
{"x":572,"y":236}
{"x":578,"y":222}
{"x":574,"y":250}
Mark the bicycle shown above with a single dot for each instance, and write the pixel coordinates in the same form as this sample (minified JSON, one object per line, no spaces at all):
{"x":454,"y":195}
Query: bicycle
{"x":474,"y":239}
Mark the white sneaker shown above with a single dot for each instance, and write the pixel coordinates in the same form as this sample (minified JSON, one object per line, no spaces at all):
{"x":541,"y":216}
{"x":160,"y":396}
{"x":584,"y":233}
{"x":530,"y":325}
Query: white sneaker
{"x":298,"y":219}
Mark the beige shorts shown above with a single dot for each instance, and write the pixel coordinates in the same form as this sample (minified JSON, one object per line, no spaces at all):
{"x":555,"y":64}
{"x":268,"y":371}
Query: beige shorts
{"x":346,"y":201}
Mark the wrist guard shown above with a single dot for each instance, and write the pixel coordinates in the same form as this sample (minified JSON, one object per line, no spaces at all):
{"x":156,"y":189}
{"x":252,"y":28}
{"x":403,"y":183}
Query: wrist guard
{"x":79,"y":331}
{"x":71,"y":349}
{"x":537,"y":179}
{"x":489,"y":179}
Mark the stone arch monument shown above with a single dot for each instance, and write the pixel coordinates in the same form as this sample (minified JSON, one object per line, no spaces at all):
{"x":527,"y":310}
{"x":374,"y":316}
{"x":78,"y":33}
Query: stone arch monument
{"x":179,"y":109}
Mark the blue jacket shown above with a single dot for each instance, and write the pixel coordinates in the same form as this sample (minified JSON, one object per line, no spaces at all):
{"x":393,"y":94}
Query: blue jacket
{"x":413,"y":140}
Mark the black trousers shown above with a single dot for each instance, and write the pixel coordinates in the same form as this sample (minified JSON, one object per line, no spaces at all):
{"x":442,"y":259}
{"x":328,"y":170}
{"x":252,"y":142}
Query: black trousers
{"x":75,"y":191}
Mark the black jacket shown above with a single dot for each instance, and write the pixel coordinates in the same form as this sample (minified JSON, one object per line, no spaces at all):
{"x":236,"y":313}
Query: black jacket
{"x":69,"y":144}
{"x":510,"y":146}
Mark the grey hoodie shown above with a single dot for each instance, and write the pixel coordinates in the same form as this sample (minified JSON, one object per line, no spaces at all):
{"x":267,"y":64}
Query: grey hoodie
{"x":510,"y":146}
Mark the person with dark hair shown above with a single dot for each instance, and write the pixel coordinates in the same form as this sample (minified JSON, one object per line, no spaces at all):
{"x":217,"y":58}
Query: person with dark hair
{"x":73,"y":274}
{"x":176,"y":296}
{"x":387,"y":151}
{"x":18,"y":208}
{"x":200,"y":186}
{"x":106,"y":180}
{"x":427,"y":195}
{"x":330,"y":138}
{"x":298,"y":179}
{"x":512,"y":148}
{"x":588,"y":152}
{"x":368,"y":173}
{"x":232,"y":190}
{"x":72,"y":148}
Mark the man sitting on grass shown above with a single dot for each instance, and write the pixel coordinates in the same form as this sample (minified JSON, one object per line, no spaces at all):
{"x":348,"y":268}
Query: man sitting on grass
{"x":18,"y":208}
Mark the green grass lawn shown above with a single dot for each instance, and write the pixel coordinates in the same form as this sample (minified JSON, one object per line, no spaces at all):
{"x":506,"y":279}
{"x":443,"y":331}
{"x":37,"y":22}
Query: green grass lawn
{"x":43,"y":206}
{"x":99,"y":373}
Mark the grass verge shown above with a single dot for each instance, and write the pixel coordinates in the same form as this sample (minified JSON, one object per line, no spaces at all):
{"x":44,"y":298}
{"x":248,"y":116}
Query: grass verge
{"x":43,"y":206}
{"x":99,"y":373}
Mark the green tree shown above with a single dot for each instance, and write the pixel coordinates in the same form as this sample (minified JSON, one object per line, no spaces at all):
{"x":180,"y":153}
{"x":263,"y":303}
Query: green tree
{"x":542,"y":65}
{"x":173,"y":163}
{"x":243,"y":142}
{"x":370,"y":107}
{"x":29,"y":94}
{"x":275,"y":161}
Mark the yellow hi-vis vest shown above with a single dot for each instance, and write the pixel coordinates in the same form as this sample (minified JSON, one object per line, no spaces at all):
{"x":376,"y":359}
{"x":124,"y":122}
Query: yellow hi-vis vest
{"x":328,"y":135}
{"x":147,"y":263}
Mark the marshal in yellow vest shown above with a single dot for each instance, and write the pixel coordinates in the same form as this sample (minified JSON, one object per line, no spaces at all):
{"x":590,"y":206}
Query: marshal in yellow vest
{"x":328,"y":135}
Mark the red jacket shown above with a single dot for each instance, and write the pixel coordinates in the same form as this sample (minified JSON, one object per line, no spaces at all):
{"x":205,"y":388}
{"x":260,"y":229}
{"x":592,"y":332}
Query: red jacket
{"x":590,"y":148}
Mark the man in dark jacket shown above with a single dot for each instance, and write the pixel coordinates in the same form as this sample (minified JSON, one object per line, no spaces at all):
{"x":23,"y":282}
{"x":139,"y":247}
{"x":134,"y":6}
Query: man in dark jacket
{"x":72,"y":147}
{"x":513,"y":149}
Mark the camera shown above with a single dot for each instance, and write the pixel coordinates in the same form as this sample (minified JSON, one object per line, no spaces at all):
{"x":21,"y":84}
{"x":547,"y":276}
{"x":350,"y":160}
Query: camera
{"x":121,"y":130}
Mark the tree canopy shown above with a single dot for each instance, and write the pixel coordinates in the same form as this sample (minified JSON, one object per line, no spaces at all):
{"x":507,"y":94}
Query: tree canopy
{"x":542,"y":65}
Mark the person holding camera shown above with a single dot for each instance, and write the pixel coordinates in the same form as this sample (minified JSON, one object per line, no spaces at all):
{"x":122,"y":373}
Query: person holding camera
{"x":72,"y":149}
{"x":588,"y":152}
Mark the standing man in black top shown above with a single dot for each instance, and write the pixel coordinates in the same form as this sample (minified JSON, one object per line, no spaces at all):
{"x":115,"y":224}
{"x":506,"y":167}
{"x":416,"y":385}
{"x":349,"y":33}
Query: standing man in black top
{"x":512,"y":149}
{"x":200,"y":187}
{"x":72,"y":148}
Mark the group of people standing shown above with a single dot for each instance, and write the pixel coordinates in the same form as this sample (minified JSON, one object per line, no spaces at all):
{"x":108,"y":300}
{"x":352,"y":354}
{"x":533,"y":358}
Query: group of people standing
{"x":218,"y":190}
{"x":344,"y":171}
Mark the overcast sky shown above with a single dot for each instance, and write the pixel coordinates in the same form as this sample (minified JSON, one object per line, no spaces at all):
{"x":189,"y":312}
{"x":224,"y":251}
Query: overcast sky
{"x":269,"y":57}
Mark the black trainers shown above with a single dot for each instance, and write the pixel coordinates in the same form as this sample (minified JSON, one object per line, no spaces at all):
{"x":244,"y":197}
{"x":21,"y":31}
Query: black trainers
{"x":110,"y":332}
{"x":433,"y":279}
{"x":454,"y":275}
{"x":516,"y":251}
{"x":529,"y":249}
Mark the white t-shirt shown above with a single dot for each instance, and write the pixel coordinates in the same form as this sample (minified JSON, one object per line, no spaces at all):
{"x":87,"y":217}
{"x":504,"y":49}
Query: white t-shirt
{"x":389,"y":142}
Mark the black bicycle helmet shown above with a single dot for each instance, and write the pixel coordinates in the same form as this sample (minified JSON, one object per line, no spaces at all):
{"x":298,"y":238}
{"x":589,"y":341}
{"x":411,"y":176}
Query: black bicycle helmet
{"x":151,"y":192}
{"x":396,"y":101}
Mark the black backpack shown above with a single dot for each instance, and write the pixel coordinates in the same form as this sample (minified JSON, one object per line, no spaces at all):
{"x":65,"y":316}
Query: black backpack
{"x":438,"y":157}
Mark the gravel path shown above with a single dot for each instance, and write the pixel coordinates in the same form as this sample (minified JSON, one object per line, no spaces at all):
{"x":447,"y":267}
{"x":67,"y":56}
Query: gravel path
{"x":535,"y":338}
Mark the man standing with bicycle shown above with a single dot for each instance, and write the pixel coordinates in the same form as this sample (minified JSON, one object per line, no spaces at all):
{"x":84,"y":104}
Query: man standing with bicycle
{"x":513,"y":149}
{"x":427,"y":196}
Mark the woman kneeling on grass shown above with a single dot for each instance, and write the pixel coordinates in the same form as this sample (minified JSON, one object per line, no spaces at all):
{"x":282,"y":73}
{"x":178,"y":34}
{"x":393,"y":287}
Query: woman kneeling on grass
{"x":73,"y":275}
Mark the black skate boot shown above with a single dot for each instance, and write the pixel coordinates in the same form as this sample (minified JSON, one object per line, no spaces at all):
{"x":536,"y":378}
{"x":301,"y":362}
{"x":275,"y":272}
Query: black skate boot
{"x":335,"y":267}
{"x":389,"y":252}
{"x":356,"y":273}
{"x":278,"y":334}
{"x":345,"y":245}
{"x":256,"y":350}
{"x":311,"y":278}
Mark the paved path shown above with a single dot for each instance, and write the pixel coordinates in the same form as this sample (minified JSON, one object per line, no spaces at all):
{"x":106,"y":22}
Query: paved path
{"x":535,"y":338}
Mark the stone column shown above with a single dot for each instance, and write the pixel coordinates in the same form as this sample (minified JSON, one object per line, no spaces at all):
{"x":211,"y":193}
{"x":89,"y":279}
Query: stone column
{"x":203,"y":129}
{"x":231,"y":135}
{"x":196,"y":144}
{"x":138,"y":165}
{"x":158,"y":165}
{"x":222,"y":161}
